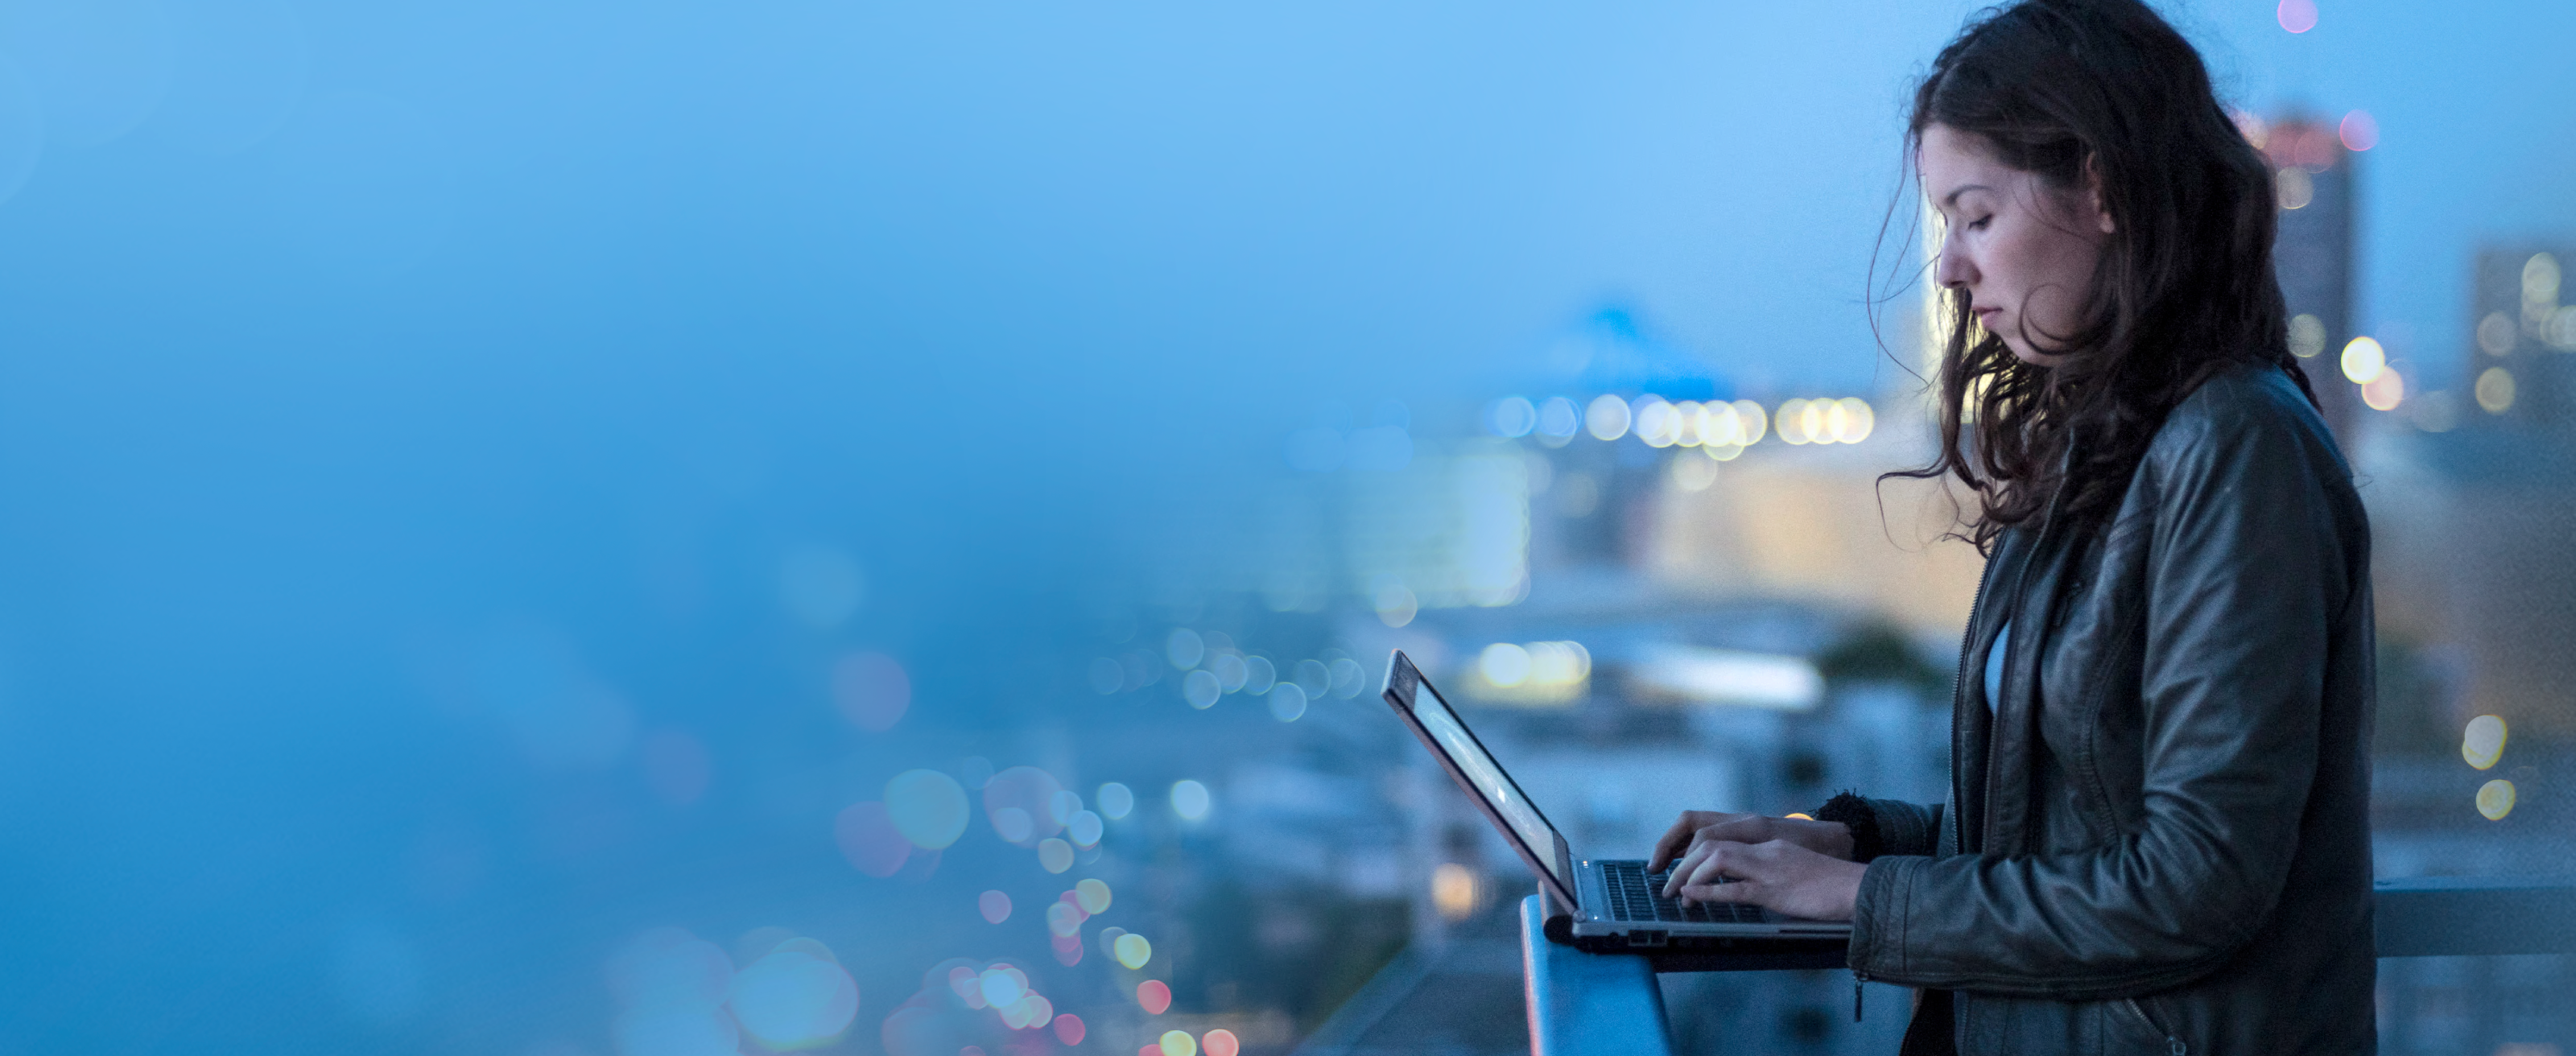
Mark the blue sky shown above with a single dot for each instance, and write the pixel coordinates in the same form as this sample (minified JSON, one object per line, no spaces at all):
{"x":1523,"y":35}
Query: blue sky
{"x":1286,"y":198}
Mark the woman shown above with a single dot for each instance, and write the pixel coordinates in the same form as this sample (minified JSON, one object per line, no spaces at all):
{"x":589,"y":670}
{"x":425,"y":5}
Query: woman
{"x":2157,"y":836}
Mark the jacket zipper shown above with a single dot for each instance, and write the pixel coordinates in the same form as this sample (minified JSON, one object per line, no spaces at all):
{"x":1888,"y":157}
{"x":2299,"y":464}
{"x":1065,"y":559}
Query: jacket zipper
{"x":2173,"y":1042}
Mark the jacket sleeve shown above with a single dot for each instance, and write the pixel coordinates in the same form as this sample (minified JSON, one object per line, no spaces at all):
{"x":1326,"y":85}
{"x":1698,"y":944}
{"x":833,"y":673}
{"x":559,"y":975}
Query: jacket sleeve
{"x":1906,"y":828}
{"x":2245,"y":573}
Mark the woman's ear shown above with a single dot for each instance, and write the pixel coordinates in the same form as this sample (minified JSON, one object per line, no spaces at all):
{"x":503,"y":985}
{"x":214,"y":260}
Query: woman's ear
{"x":2093,"y":194}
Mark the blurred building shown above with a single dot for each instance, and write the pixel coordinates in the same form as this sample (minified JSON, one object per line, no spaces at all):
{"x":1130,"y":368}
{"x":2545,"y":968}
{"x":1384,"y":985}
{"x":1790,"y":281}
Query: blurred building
{"x":2314,"y":251}
{"x":2520,"y":374}
{"x":2508,"y":495}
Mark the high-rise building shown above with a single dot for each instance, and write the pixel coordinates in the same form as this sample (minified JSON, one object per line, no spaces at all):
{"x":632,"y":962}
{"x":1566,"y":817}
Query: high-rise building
{"x":2313,"y":253}
{"x":2520,"y":373}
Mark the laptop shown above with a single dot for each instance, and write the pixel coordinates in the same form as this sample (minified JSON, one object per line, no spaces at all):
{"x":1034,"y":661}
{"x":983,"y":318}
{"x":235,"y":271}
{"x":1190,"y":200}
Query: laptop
{"x":1615,"y":903}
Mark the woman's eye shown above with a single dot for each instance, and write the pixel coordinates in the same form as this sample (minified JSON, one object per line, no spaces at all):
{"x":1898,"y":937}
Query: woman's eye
{"x":1980,"y":223}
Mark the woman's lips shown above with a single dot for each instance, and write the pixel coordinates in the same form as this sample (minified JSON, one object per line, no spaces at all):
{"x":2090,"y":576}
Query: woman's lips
{"x":1985,"y":316}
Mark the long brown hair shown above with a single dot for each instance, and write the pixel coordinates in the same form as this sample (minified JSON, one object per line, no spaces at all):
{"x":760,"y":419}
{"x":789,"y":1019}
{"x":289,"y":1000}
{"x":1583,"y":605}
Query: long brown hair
{"x":2105,"y":89}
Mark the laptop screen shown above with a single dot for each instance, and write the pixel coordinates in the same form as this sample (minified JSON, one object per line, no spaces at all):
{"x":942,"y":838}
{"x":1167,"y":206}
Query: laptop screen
{"x":1537,"y":837}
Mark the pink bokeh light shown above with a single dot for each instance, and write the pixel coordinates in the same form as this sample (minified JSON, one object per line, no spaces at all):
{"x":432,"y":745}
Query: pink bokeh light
{"x":870,"y":840}
{"x":872,"y":690}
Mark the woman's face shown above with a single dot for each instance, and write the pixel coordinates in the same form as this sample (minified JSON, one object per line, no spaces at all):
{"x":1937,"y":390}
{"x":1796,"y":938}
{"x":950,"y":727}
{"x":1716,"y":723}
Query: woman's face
{"x":2024,"y":251}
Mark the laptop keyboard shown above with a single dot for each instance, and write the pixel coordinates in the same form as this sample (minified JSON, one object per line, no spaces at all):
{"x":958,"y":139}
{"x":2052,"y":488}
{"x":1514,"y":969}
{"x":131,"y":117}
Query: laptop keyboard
{"x":1636,"y":894}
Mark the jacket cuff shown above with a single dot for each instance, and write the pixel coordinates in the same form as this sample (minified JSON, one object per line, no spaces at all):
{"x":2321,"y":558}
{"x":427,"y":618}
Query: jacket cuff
{"x":1906,"y":828}
{"x":1878,"y":915}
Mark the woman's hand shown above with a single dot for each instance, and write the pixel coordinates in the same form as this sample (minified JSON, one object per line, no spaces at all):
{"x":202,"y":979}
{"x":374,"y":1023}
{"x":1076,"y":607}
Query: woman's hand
{"x":1778,"y":875}
{"x":1696,"y":827}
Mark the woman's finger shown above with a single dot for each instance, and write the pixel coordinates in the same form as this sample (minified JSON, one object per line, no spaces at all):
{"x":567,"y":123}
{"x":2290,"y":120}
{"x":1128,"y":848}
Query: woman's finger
{"x":1674,"y":841}
{"x":1753,"y":892}
{"x":1711,"y":867}
{"x":1682,"y":869}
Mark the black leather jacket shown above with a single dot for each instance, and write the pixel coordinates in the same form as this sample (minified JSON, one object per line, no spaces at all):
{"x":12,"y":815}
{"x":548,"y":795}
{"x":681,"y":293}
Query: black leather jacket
{"x":2159,"y":841}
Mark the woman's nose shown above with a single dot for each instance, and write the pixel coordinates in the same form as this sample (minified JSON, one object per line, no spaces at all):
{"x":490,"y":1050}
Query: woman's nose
{"x":1952,"y":269}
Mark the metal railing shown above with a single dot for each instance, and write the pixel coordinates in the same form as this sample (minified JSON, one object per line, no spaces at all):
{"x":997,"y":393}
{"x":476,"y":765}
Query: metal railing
{"x":1585,"y":1003}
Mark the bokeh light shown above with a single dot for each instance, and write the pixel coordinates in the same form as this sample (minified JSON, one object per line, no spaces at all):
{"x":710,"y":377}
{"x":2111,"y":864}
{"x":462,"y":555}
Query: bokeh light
{"x":1511,"y":417}
{"x":669,"y":968}
{"x":1259,"y":674}
{"x":2358,"y":130}
{"x":1313,"y":677}
{"x":1658,"y":422}
{"x":928,"y":807}
{"x":2482,"y":743}
{"x":2385,"y":392}
{"x":2255,"y":130}
{"x":1287,"y":702}
{"x":1068,"y":1028}
{"x":1230,"y":671}
{"x":1221,"y":1042}
{"x":2363,"y":360}
{"x":1396,"y":605}
{"x":1055,"y":855}
{"x":2307,"y":336}
{"x":1092,"y":895}
{"x":1190,"y":800}
{"x":1116,"y":800}
{"x":2495,"y":390}
{"x":968,"y":987}
{"x":1021,"y":804}
{"x":1852,"y":420}
{"x":1064,"y":918}
{"x":2297,"y":16}
{"x":1792,"y":422}
{"x":791,"y":999}
{"x":1152,"y":995}
{"x":1107,"y":676}
{"x":868,"y":837}
{"x":1348,"y":678}
{"x":1504,"y":664}
{"x":2495,"y":799}
{"x":2295,"y":187}
{"x":1002,"y":987}
{"x":994,"y":905}
{"x":1179,"y":1043}
{"x":1607,"y":418}
{"x":1453,"y":891}
{"x":1201,"y":689}
{"x":1750,"y":422}
{"x":1183,"y":648}
{"x":1084,"y":828}
{"x":1697,"y":474}
{"x":1132,"y":950}
{"x":1558,"y":421}
{"x":2496,"y":334}
{"x":872,"y":690}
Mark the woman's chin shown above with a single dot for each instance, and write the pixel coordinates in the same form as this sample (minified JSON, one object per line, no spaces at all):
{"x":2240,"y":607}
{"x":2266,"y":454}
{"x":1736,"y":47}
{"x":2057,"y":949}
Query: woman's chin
{"x":2024,"y":353}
